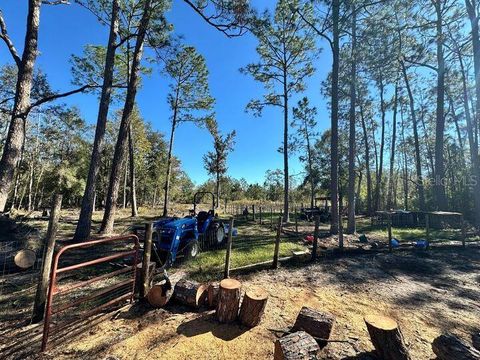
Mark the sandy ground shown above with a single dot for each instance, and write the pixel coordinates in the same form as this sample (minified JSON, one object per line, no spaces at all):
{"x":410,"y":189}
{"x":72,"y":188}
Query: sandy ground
{"x":427,"y":292}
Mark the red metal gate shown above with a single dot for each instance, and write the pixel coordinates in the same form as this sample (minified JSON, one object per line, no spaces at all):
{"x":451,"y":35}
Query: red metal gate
{"x":102,"y":298}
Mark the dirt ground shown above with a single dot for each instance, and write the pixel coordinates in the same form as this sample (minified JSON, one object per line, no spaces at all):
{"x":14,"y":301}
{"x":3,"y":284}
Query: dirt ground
{"x":427,"y":292}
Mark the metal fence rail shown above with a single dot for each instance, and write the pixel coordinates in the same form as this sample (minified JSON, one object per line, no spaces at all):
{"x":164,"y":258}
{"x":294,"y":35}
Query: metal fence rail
{"x":74,"y":304}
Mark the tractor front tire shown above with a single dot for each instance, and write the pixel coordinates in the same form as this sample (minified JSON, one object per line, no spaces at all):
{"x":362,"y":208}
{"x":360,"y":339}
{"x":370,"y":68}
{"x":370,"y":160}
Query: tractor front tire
{"x":219,"y":235}
{"x":192,"y":250}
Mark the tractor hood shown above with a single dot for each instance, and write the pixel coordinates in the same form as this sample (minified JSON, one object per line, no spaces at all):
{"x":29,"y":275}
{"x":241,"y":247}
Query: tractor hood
{"x":175,"y":223}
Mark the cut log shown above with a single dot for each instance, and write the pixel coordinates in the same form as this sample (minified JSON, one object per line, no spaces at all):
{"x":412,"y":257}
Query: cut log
{"x":228,"y":300}
{"x":253,"y":306}
{"x":296,"y":346}
{"x":17,"y":260}
{"x":319,"y":324}
{"x":190,"y":293}
{"x":450,"y":347}
{"x":386,"y":337}
{"x":159,"y":294}
{"x":212,"y":296}
{"x":476,"y":341}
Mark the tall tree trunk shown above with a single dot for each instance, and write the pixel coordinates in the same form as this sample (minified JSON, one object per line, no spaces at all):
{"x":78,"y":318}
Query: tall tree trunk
{"x":351,"y":227}
{"x":405,"y":168}
{"x":382,"y":146}
{"x":310,"y":167}
{"x":169,"y":160}
{"x":471,"y":10}
{"x":217,"y":190}
{"x":334,"y":103}
{"x":286,"y":214}
{"x":16,"y":132}
{"x":82,"y":232}
{"x":418,"y":162}
{"x":367,"y":162}
{"x":392,"y":150}
{"x":440,"y":116}
{"x":120,"y":147}
{"x":125,"y":183}
{"x":133,"y":191}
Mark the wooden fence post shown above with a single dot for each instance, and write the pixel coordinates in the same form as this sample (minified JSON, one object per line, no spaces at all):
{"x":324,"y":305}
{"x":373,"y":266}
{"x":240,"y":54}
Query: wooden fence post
{"x":253,"y":212}
{"x":41,"y":294}
{"x":316,"y":235}
{"x":226,"y":273}
{"x":147,"y":251}
{"x":296,"y":220}
{"x":271,"y":218}
{"x":427,"y":226}
{"x":340,"y":232}
{"x":261,"y":219}
{"x":464,"y":231}
{"x":389,"y":232}
{"x":277,"y":244}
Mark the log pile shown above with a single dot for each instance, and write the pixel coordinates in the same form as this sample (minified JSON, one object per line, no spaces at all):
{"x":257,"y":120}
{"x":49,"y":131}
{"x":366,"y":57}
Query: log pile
{"x":253,"y":306}
{"x":190,"y":293}
{"x":296,"y":346}
{"x":386,"y":337}
{"x":449,"y":347}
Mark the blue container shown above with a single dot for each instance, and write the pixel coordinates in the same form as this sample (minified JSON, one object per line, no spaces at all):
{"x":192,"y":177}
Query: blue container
{"x":395,"y":243}
{"x":422,"y":244}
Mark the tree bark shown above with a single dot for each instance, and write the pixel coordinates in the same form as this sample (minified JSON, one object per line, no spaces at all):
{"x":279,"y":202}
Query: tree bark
{"x":386,"y":338}
{"x":228,"y":300}
{"x":82,"y":231}
{"x":16,"y":132}
{"x":190,"y":293}
{"x":418,"y":162}
{"x":120,"y":147}
{"x":286,"y":191}
{"x":253,"y":306}
{"x":379,"y":172}
{"x":133,"y":191}
{"x":440,"y":116}
{"x":476,"y":61}
{"x":169,"y":162}
{"x":317,"y":323}
{"x":392,"y":151}
{"x":351,"y":227}
{"x":298,"y":345}
{"x":367,"y":162}
{"x":334,"y":140}
{"x":449,"y":347}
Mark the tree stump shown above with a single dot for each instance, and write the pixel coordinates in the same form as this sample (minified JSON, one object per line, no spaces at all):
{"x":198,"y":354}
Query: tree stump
{"x":386,"y":338}
{"x":212,"y":295}
{"x":476,"y":341}
{"x":138,"y":275}
{"x":296,"y":346}
{"x":317,"y":323}
{"x":190,"y":293}
{"x":450,"y":347}
{"x":253,"y":306}
{"x":159,"y":294}
{"x":228,"y":300}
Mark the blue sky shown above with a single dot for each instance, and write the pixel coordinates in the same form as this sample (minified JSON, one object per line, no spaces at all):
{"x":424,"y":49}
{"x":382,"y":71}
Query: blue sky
{"x":64,"y":30}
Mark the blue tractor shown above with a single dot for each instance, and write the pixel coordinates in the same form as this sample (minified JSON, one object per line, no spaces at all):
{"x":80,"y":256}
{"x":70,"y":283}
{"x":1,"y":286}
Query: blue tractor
{"x":184,"y":237}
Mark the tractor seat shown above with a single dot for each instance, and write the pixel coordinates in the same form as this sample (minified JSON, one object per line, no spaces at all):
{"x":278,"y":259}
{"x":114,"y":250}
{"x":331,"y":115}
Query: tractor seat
{"x":201,"y":217}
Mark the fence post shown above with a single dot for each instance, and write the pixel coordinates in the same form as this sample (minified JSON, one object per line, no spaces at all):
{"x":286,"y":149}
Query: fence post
{"x":464,"y":231}
{"x":427,"y":226}
{"x":277,"y":244}
{"x":316,"y":235}
{"x":296,"y":220}
{"x":340,"y":232}
{"x":253,"y":212}
{"x":389,"y":232}
{"x":147,"y":251}
{"x":271,"y":218}
{"x":41,"y":294}
{"x":226,"y":273}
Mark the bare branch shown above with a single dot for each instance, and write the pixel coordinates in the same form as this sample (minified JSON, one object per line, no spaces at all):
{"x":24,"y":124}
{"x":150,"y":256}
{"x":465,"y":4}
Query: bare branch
{"x":4,"y":36}
{"x":55,"y":2}
{"x":58,"y":96}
